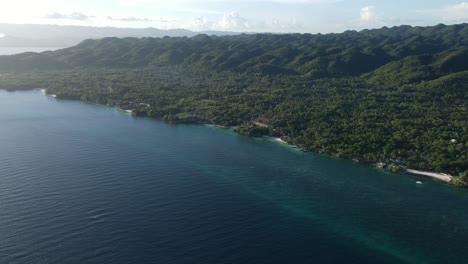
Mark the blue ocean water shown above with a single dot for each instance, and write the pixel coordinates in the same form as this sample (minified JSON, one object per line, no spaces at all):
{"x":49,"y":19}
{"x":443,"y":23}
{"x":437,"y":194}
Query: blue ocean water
{"x":81,"y":183}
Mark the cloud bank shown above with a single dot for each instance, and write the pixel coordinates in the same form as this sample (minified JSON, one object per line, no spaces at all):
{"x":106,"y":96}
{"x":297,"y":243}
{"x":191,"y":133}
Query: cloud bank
{"x":229,"y":22}
{"x":233,"y":21}
{"x":72,"y":16}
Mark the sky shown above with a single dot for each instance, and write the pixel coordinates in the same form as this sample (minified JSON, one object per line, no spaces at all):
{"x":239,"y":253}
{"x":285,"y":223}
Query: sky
{"x":303,"y":16}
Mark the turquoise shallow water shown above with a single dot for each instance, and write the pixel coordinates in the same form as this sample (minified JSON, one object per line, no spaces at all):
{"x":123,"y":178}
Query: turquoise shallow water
{"x":81,"y":183}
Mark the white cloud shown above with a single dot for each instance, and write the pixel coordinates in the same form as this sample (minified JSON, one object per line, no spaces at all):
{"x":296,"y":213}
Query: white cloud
{"x":233,"y":21}
{"x":2,"y":35}
{"x":197,"y":11}
{"x":72,"y":16}
{"x":201,"y":23}
{"x":229,"y":22}
{"x":453,"y":13}
{"x":368,"y":14}
{"x":369,"y":17}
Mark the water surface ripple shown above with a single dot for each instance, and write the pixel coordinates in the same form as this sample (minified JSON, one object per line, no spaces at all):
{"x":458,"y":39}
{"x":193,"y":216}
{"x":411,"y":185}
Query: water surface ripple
{"x":81,"y":183}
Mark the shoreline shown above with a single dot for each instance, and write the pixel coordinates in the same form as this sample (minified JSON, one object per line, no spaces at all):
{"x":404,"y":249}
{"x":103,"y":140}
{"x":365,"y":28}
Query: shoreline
{"x":438,"y":176}
{"x":442,"y":177}
{"x":404,"y":171}
{"x":121,"y":109}
{"x":277,"y":139}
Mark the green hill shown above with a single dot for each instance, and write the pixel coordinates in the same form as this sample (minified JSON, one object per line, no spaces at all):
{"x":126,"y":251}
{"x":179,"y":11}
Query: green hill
{"x":333,"y":55}
{"x":414,"y":69}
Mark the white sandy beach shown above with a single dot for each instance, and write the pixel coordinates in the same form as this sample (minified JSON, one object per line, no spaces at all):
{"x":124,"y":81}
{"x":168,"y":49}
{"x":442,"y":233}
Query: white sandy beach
{"x":276,"y":139}
{"x":439,"y":176}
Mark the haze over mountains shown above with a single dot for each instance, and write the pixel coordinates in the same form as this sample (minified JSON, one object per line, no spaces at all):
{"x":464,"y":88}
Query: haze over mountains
{"x":31,"y":35}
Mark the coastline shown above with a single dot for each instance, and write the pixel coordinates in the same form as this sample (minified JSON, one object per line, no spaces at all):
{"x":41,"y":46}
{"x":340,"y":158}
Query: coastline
{"x":442,"y":177}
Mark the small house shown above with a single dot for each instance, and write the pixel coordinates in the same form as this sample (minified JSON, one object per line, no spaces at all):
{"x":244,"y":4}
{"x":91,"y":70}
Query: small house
{"x":262,"y":121}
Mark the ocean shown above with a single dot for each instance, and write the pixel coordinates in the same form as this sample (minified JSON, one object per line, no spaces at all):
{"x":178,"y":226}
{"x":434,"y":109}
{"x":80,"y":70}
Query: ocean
{"x":84,"y":183}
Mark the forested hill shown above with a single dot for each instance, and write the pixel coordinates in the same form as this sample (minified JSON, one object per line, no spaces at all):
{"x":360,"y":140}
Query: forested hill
{"x":392,"y":96}
{"x":332,"y":55}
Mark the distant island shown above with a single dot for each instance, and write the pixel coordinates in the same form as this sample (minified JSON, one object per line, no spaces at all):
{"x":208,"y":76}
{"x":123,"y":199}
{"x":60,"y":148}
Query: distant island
{"x":394,"y":97}
{"x":26,"y":35}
